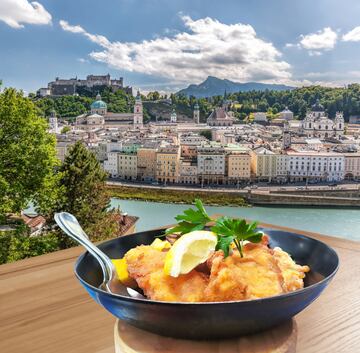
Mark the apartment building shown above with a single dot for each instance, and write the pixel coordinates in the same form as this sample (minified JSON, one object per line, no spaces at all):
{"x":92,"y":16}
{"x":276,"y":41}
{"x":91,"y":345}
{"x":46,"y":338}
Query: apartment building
{"x":127,"y":165}
{"x":263,"y":164}
{"x":211,"y":164}
{"x":146,"y":164}
{"x":167,"y":164}
{"x":352,"y":166}
{"x":111,"y":164}
{"x":188,"y":171}
{"x":282,"y":167}
{"x":238,"y":166}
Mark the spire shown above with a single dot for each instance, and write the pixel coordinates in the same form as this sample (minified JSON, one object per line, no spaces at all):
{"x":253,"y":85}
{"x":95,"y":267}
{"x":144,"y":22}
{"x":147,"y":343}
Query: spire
{"x":98,"y":97}
{"x":138,"y":95}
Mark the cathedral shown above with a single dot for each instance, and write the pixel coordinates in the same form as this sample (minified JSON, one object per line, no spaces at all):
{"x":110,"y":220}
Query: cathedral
{"x":100,"y":118}
{"x":317,"y":124}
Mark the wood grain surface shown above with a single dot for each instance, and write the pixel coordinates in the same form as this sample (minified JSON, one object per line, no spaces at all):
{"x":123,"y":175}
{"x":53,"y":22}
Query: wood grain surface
{"x":44,"y":309}
{"x":281,"y":339}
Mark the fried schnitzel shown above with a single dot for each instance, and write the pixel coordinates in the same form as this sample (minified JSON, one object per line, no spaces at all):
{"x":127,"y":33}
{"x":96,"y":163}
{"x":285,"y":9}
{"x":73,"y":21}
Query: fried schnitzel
{"x":145,"y":265}
{"x":261,"y":272}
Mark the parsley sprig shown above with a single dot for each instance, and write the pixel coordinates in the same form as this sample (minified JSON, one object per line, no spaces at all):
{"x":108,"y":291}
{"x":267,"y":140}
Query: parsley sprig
{"x":191,"y":220}
{"x":228,"y":230}
{"x":232,"y":230}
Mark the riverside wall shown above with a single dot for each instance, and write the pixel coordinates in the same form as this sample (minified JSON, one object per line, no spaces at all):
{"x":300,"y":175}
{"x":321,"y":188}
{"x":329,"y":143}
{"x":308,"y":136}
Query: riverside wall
{"x":284,"y":199}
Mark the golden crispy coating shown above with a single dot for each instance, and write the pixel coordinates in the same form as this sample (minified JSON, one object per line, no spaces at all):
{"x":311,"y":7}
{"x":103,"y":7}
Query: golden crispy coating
{"x":293,"y":274}
{"x":146,"y":264}
{"x":262,"y":272}
{"x":256,"y":275}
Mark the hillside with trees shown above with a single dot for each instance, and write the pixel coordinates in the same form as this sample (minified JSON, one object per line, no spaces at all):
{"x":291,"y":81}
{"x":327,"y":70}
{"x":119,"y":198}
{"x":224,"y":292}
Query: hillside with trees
{"x":299,"y":100}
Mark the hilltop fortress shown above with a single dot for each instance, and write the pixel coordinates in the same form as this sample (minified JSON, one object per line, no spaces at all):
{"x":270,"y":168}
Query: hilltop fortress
{"x":92,"y":84}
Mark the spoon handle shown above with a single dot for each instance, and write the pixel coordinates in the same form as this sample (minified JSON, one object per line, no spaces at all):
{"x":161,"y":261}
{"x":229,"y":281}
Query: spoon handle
{"x":69,"y":224}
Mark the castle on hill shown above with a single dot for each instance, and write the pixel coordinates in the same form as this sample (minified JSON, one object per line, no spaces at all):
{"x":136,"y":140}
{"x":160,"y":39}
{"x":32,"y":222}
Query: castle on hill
{"x":92,"y":84}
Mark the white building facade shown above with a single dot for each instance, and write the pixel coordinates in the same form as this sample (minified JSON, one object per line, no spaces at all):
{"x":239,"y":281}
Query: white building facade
{"x":315,"y":166}
{"x":317,"y":124}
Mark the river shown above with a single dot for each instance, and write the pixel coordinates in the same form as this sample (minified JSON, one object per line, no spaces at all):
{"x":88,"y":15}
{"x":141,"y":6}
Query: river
{"x":344,"y":223}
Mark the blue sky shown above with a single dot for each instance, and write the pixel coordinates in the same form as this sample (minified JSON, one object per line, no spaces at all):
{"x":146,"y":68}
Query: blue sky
{"x":167,"y":44}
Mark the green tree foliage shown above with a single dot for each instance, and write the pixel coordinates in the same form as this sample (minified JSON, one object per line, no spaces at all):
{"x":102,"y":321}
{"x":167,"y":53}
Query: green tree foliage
{"x":14,"y":246}
{"x":346,"y":99}
{"x":84,"y":194}
{"x":72,"y":106}
{"x":206,"y":133}
{"x":27,"y":153}
{"x":65,"y":129}
{"x":153,"y":96}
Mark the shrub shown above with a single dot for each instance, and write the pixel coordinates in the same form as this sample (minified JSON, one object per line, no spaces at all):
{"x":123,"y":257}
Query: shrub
{"x":15,"y":247}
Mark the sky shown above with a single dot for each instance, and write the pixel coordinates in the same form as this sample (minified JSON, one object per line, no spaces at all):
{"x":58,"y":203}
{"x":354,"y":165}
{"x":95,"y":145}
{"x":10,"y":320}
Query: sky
{"x":168,"y":44}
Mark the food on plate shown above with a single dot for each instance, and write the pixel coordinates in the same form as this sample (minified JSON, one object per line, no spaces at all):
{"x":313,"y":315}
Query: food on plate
{"x":146,"y":266}
{"x":230,"y":261}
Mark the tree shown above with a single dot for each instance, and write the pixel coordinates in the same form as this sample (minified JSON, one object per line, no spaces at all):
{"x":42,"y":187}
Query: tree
{"x":206,"y":134}
{"x":65,"y":129}
{"x":84,"y":194}
{"x":27,"y":153}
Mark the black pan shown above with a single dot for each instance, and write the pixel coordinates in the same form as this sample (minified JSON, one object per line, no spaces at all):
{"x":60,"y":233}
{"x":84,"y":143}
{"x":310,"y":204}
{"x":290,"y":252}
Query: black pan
{"x":218,"y":319}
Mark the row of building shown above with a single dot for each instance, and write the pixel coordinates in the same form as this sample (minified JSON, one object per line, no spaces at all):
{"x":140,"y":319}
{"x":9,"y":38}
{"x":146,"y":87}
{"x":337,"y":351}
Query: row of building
{"x":213,"y":163}
{"x":312,"y":150}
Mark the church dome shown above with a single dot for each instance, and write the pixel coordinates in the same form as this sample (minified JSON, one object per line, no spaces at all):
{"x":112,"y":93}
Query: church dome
{"x":317,"y":107}
{"x":98,"y":104}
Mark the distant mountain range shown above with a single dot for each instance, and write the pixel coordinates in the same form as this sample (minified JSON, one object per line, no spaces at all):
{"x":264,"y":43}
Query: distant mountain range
{"x":214,"y":86}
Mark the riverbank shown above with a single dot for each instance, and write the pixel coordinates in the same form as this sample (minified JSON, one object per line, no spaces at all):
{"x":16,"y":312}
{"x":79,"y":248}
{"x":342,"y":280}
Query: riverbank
{"x":345,"y":197}
{"x":176,"y":196}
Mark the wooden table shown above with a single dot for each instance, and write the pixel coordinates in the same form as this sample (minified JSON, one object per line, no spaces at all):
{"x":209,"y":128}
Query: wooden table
{"x":44,"y":309}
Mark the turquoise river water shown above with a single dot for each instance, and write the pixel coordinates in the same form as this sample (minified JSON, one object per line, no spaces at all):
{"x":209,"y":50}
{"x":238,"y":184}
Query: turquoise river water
{"x":343,"y":223}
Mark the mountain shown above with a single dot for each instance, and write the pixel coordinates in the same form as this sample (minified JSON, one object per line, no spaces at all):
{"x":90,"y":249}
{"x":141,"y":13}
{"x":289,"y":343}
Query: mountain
{"x":214,"y":86}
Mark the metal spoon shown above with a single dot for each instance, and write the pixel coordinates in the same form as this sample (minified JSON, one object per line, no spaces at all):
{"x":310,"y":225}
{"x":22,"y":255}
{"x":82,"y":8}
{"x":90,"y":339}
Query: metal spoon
{"x":70,"y":225}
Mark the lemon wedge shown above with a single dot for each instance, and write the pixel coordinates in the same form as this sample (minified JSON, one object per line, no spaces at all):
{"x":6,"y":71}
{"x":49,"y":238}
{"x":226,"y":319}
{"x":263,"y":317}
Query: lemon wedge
{"x":160,"y":245}
{"x":122,"y":273}
{"x":188,"y":251}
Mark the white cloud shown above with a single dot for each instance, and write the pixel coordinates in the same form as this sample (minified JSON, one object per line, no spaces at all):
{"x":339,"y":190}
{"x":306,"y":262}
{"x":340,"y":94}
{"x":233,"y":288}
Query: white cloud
{"x":15,"y":13}
{"x":324,"y":39}
{"x":208,"y":47}
{"x":352,"y":36}
{"x":291,"y":45}
{"x":82,"y":60}
{"x":100,"y":40}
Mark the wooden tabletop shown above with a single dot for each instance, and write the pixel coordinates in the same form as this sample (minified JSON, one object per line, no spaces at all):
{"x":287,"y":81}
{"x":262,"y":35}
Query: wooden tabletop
{"x":44,"y":309}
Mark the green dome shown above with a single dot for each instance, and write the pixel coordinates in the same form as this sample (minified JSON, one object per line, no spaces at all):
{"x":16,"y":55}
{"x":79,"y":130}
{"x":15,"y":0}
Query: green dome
{"x":98,"y":104}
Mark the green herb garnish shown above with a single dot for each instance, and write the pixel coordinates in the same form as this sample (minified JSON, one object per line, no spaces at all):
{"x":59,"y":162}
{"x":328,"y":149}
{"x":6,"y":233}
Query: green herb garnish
{"x":228,"y":230}
{"x":232,"y":230}
{"x":191,"y":220}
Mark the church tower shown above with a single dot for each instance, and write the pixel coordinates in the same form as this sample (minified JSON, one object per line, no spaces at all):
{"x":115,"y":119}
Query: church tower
{"x":173,"y":116}
{"x":138,"y":112}
{"x":53,"y":121}
{"x":196,"y":114}
{"x":339,"y":124}
{"x":286,"y":136}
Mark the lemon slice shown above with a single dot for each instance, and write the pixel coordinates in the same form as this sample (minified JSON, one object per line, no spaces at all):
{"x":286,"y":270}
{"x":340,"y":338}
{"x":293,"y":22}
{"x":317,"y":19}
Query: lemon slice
{"x":160,"y":245}
{"x":188,"y":251}
{"x":122,"y":272}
